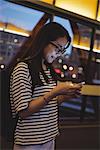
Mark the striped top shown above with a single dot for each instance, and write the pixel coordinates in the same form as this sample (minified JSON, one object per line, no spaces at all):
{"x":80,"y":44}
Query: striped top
{"x":42,"y":126}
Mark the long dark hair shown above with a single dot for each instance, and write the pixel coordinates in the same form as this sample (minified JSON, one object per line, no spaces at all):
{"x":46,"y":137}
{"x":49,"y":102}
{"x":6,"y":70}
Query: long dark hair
{"x":34,"y":52}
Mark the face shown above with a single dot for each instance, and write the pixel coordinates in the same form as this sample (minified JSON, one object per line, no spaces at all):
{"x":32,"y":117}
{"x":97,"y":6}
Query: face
{"x":54,"y":49}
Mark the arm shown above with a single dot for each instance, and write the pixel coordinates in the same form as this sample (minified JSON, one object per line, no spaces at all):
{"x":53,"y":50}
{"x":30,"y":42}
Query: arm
{"x":63,"y":98}
{"x":36,"y":104}
{"x":73,"y":93}
{"x":22,"y":93}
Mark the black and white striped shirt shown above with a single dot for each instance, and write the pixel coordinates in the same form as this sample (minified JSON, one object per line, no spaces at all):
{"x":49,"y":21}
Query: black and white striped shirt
{"x":41,"y":126}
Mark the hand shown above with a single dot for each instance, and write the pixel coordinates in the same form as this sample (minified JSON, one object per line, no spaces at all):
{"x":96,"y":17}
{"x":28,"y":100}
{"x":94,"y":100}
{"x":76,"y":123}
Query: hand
{"x":65,"y":88}
{"x":68,"y":96}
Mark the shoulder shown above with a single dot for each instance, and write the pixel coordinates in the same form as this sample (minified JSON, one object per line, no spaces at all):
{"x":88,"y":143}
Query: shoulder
{"x":20,"y":67}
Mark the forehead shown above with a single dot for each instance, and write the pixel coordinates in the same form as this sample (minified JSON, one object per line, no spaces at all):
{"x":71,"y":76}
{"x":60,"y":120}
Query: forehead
{"x":62,"y":40}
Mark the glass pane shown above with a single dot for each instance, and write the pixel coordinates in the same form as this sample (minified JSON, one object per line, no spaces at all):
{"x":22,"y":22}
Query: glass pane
{"x":95,"y":68}
{"x":82,"y":7}
{"x":77,"y":54}
{"x":97,"y":42}
{"x":16,"y":23}
{"x":9,"y":46}
{"x":78,"y":57}
{"x":83,"y":37}
{"x":18,"y":18}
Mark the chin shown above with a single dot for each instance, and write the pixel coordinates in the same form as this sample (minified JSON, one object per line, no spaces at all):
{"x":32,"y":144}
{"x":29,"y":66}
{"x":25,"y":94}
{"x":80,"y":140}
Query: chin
{"x":49,"y":62}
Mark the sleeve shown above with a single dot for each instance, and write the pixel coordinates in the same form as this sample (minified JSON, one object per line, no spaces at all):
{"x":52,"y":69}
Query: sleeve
{"x":21,"y":87}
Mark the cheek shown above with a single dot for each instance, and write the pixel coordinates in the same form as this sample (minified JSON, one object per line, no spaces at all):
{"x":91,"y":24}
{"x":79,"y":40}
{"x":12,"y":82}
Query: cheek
{"x":49,"y":54}
{"x":50,"y":57}
{"x":47,"y":50}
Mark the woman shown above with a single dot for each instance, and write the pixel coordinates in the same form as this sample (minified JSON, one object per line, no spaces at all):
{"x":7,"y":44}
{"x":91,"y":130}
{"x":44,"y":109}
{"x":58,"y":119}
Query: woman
{"x":34,"y":91}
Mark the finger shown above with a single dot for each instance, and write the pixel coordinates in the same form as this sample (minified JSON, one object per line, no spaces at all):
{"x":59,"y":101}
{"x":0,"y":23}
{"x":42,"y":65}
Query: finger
{"x":75,"y":86}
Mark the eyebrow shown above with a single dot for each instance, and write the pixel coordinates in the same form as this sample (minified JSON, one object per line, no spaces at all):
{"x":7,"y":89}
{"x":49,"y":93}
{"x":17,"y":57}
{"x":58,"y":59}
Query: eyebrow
{"x":56,"y":44}
{"x":60,"y":45}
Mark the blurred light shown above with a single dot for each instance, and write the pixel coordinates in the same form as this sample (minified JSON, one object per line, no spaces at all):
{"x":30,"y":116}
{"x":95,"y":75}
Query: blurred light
{"x":1,"y":41}
{"x":96,"y":50}
{"x":65,"y":67}
{"x":60,"y":60}
{"x":1,"y":58}
{"x":80,"y":69}
{"x":2,"y":66}
{"x":15,"y":40}
{"x":74,"y":75}
{"x":62,"y":75}
{"x":16,"y":32}
{"x":71,"y":68}
{"x":57,"y":70}
{"x":98,"y":60}
{"x":86,"y":48}
{"x":81,"y":47}
{"x":1,"y":29}
{"x":10,"y":47}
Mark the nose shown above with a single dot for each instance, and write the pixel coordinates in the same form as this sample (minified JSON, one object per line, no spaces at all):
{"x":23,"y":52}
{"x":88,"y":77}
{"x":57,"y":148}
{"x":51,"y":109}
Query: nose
{"x":55,"y":56}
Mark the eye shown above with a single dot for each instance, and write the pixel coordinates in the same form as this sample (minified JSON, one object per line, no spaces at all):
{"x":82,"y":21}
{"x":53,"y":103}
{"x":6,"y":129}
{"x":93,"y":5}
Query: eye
{"x":58,"y":50}
{"x":56,"y":47}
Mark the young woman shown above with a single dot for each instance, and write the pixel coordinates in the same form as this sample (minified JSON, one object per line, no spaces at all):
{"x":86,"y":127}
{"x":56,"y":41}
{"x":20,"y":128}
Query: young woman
{"x":34,"y":91}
